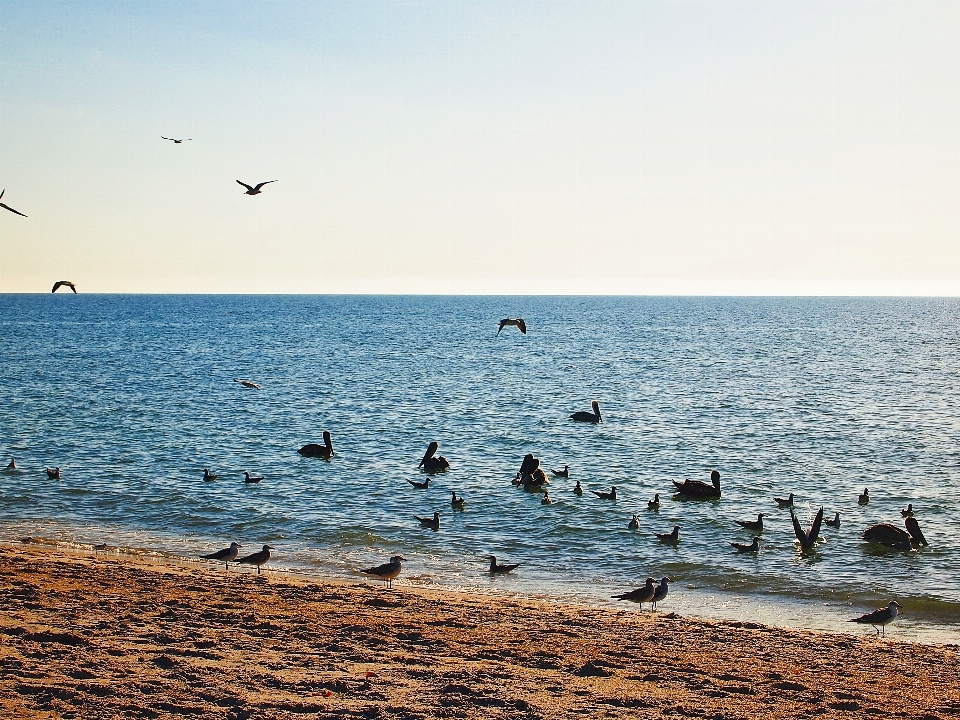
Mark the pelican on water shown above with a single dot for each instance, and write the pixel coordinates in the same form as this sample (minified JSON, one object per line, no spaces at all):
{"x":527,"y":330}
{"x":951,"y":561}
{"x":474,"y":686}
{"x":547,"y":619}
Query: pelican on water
{"x":584,"y":416}
{"x":324,"y":451}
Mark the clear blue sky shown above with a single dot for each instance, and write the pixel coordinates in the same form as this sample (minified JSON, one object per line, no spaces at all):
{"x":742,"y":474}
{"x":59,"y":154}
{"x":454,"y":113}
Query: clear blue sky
{"x":518,"y":147}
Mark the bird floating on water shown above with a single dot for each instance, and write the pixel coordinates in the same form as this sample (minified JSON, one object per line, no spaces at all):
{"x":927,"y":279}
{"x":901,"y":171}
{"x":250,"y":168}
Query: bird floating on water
{"x":177,"y":142}
{"x":7,"y":207}
{"x":388,"y":571}
{"x":655,"y":503}
{"x":879,"y":619}
{"x":808,"y":538}
{"x":324,"y":451}
{"x":786,"y":502}
{"x":565,"y":473}
{"x":432,"y":523}
{"x":612,"y":495}
{"x":634,"y":523}
{"x":257,"y":558}
{"x":248,"y":478}
{"x":577,"y":490}
{"x":753,"y":525}
{"x":661,"y":592}
{"x":835,"y":523}
{"x":12,"y":465}
{"x":420,"y":485}
{"x":640,"y":595}
{"x":432,"y":462}
{"x":513,"y":322}
{"x":209,"y":476}
{"x":456,"y":503}
{"x":584,"y":416}
{"x":54,"y":473}
{"x":546,"y":500}
{"x":865,"y":498}
{"x":498,"y":569}
{"x":227,"y":555}
{"x":254,"y":190}
{"x":671,"y":537}
{"x":248,"y":383}
{"x":743,"y":548}
{"x":907,"y":511}
{"x":64,"y":283}
{"x":698,"y":489}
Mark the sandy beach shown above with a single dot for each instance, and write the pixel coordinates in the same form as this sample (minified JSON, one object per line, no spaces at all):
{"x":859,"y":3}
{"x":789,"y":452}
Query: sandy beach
{"x":108,"y":637}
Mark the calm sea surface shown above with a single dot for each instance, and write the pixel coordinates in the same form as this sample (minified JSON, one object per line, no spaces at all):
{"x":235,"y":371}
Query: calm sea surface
{"x":133,"y":396}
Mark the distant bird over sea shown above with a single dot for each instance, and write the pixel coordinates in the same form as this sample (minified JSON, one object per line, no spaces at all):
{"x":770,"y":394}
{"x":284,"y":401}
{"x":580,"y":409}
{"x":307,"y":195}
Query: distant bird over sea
{"x":865,"y":498}
{"x":7,"y":207}
{"x":248,"y":478}
{"x":324,"y":451}
{"x":227,"y":555}
{"x":175,"y":141}
{"x":640,"y":595}
{"x":257,"y":558}
{"x":752,"y":547}
{"x":879,"y":619}
{"x":64,"y":283}
{"x":661,"y":592}
{"x":432,"y":523}
{"x":671,"y":538}
{"x":514,"y":322}
{"x":753,"y":525}
{"x":698,"y":489}
{"x":786,"y":502}
{"x":612,"y":495}
{"x":388,"y":571}
{"x":248,"y":384}
{"x":809,"y":538}
{"x":254,"y":190}
{"x":498,"y":569}
{"x":584,"y":416}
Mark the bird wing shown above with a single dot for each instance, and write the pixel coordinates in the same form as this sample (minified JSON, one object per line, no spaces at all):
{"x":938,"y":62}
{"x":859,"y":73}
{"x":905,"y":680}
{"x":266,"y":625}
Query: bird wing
{"x":16,"y":212}
{"x":502,"y":324}
{"x":815,"y":529}
{"x":166,"y":138}
{"x":262,"y":184}
{"x":522,"y":325}
{"x":247,"y":186}
{"x":798,"y":531}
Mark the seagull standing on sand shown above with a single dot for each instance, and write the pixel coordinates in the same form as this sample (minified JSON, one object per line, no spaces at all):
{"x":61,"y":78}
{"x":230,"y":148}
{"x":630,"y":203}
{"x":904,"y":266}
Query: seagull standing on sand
{"x":661,"y":592}
{"x":258,"y":558}
{"x":248,"y":383}
{"x":177,"y":142}
{"x":227,"y":555}
{"x":7,"y":207}
{"x":64,"y":283}
{"x":879,"y":619}
{"x":584,"y":416}
{"x":498,"y":569}
{"x":388,"y":571}
{"x":513,"y":322}
{"x":641,"y":595}
{"x":254,"y":190}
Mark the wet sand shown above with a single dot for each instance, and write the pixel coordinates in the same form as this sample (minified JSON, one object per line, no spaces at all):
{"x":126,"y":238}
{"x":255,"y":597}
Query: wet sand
{"x":109,"y":637}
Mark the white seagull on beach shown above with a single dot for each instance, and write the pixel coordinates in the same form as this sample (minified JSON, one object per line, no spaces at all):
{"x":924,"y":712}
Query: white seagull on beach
{"x":258,"y":558}
{"x":225,"y":556}
{"x":388,"y":571}
{"x":661,"y":592}
{"x":880,"y":618}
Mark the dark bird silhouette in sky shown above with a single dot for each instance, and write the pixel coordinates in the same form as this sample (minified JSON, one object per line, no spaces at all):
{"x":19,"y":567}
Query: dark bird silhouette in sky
{"x":256,"y":189}
{"x":174,"y":140}
{"x":64,"y":283}
{"x":17,"y":212}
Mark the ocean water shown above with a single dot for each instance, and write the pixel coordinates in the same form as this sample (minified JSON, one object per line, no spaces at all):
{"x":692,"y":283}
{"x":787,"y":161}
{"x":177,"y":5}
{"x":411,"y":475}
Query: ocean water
{"x":133,"y":396}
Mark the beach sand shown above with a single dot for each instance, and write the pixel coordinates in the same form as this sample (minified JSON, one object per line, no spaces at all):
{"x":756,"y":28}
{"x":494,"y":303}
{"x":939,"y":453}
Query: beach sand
{"x":111,"y":637}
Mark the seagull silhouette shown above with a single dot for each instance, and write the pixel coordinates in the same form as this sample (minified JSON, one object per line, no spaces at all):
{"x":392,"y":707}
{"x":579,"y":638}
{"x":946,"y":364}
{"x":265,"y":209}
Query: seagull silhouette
{"x":174,"y":139}
{"x":254,"y":190}
{"x":4,"y":205}
{"x":514,"y":322}
{"x":64,"y":283}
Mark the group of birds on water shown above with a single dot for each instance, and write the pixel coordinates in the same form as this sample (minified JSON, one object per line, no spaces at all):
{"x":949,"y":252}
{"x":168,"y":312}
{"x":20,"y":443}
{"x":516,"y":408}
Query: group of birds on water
{"x":250,"y":190}
{"x":531,"y":476}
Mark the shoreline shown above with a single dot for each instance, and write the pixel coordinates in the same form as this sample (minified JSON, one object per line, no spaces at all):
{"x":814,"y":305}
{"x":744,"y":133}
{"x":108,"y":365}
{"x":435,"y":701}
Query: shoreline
{"x":95,"y":637}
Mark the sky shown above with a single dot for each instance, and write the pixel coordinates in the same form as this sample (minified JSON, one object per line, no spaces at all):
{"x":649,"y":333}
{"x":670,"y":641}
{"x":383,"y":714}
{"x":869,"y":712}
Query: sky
{"x":704,"y":148}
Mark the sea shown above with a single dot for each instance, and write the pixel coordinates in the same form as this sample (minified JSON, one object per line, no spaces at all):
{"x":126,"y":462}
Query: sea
{"x":133,"y":396}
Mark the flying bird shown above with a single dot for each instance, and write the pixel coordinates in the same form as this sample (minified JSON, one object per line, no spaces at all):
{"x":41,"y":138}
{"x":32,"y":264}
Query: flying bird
{"x":17,"y":212}
{"x":808,"y":538}
{"x":879,"y":619}
{"x":386,"y":572}
{"x":254,"y":190}
{"x":64,"y":283}
{"x":497,"y":568}
{"x":515,"y":322}
{"x":248,"y":384}
{"x":225,"y":556}
{"x":174,"y":140}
